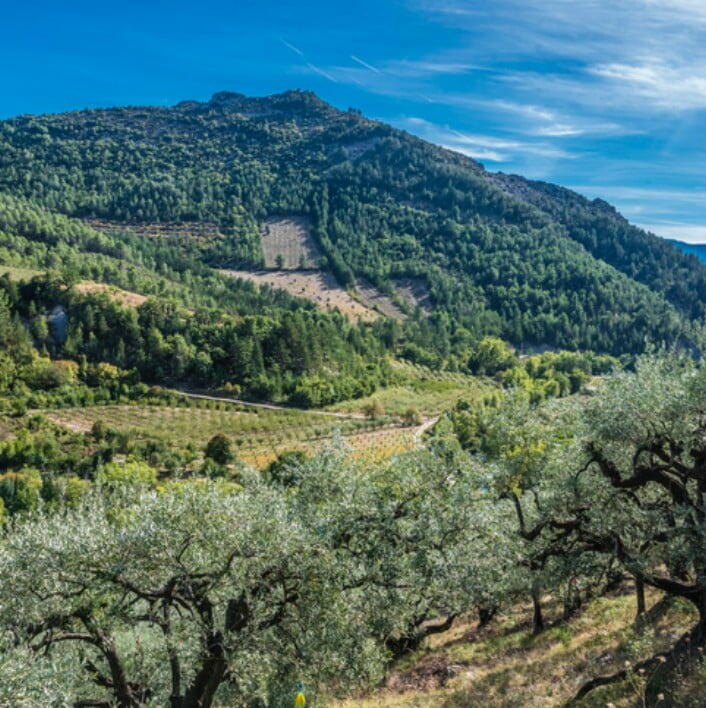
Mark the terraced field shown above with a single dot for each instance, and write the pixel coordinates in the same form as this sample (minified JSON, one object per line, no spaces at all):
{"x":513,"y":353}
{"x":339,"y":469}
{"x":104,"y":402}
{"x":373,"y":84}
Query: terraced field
{"x":168,"y":230}
{"x":258,"y":434}
{"x":289,"y":239}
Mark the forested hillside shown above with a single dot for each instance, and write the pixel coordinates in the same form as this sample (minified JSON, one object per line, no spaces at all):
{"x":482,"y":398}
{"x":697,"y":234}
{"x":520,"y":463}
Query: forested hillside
{"x":694,"y":249}
{"x":195,"y":327}
{"x":532,"y":263}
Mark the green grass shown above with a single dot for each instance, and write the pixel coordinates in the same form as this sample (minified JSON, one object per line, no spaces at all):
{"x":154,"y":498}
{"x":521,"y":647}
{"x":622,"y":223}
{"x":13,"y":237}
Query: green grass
{"x":431,"y":394}
{"x":18,"y":273}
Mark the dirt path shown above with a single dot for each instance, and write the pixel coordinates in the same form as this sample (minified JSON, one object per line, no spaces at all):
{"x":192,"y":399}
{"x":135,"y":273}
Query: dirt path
{"x":424,"y":427}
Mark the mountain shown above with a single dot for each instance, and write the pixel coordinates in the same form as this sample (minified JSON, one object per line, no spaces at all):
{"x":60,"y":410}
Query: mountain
{"x":534,"y":263}
{"x":694,"y":249}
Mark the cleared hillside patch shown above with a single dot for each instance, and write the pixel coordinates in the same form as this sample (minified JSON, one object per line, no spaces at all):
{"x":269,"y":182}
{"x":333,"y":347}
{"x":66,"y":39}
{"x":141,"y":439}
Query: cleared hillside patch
{"x":122,"y":297}
{"x":318,"y":286}
{"x":371,"y":297}
{"x":415,"y":291}
{"x":287,"y":243}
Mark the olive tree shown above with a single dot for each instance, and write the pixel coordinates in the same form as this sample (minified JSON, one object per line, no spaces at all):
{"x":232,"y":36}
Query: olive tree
{"x":198,"y":593}
{"x":512,"y":443}
{"x":630,"y":487}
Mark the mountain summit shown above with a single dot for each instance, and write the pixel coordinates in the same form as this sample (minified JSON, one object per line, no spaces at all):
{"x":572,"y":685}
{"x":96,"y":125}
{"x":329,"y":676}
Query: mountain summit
{"x":497,"y":254}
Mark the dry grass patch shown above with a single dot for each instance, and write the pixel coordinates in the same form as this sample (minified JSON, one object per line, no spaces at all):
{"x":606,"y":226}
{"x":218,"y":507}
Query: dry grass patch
{"x":318,"y":286}
{"x":122,"y":297}
{"x":504,"y":666}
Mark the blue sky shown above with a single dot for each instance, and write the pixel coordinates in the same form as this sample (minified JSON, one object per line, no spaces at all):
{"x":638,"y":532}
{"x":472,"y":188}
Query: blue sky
{"x":604,"y":96}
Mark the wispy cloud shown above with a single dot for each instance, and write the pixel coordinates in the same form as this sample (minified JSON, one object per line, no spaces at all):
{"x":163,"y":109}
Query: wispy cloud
{"x":668,"y":87}
{"x":418,"y":69}
{"x":620,"y":192}
{"x":618,"y":51}
{"x":545,"y":122}
{"x":482,"y":147}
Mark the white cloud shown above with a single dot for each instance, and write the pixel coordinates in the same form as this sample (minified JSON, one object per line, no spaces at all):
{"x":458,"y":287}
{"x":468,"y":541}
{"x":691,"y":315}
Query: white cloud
{"x":669,"y":87}
{"x":622,"y":51}
{"x":549,"y":123}
{"x":689,"y":233}
{"x":419,"y":69}
{"x":642,"y":193}
{"x":481,"y":147}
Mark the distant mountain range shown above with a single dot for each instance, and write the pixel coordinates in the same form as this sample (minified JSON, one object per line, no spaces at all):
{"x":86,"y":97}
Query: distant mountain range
{"x":694,"y":249}
{"x":532,"y":262}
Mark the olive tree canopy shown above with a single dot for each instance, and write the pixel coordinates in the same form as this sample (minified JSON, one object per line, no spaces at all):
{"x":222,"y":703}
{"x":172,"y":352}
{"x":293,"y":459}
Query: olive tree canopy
{"x":197,"y":593}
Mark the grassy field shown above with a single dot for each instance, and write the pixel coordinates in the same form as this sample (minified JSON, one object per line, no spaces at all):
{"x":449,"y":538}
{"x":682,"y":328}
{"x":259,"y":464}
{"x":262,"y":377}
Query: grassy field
{"x":123,"y":297}
{"x":259,"y":435}
{"x":430,"y":393}
{"x":504,"y":666}
{"x":17,"y":273}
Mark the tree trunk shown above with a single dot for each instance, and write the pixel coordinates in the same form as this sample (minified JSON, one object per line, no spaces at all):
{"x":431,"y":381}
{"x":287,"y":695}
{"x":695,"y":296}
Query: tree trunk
{"x":537,"y":617}
{"x":209,"y":678}
{"x":572,"y":601}
{"x":660,"y":667}
{"x":485,"y":615}
{"x":399,"y":646}
{"x":640,"y":596}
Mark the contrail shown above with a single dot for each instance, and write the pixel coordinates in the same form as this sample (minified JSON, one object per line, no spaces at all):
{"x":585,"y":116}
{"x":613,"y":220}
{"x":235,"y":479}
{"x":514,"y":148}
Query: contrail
{"x":365,"y":64}
{"x":322,"y":72}
{"x":296,"y":50}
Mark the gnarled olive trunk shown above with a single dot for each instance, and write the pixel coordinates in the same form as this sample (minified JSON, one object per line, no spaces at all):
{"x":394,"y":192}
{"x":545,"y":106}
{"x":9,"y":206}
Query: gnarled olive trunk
{"x":537,"y":616}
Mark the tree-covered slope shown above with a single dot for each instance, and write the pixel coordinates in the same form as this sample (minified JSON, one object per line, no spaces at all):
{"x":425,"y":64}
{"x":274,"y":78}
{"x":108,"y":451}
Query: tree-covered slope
{"x":533,"y":263}
{"x":694,"y":249}
{"x":195,"y":327}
